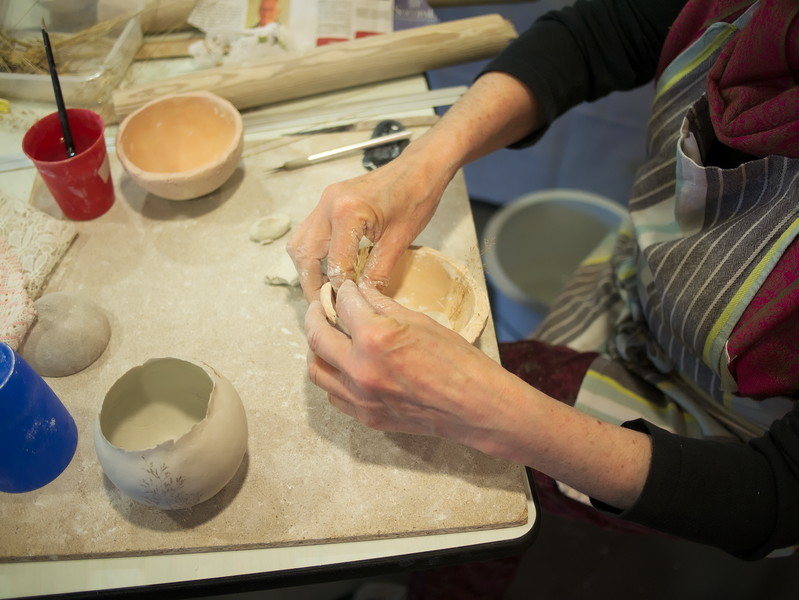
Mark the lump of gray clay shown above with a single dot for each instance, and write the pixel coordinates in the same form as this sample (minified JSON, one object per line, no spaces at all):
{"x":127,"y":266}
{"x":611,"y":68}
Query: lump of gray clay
{"x":69,"y":334}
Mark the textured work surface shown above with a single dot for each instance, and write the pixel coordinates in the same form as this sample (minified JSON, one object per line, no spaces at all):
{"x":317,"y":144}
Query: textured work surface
{"x":183,"y":279}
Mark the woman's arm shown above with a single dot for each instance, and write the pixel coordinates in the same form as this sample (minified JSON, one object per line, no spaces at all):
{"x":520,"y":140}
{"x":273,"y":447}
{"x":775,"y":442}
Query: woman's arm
{"x":401,"y":371}
{"x":589,"y":49}
{"x":392,"y":204}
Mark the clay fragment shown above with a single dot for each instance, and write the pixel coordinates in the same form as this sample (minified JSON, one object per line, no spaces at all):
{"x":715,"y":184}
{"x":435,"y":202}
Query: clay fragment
{"x":327,"y":296}
{"x":270,"y":228}
{"x":282,"y":272}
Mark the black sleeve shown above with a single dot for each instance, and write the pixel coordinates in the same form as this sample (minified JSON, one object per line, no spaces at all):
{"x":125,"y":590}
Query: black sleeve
{"x":587,"y":50}
{"x":739,"y":497}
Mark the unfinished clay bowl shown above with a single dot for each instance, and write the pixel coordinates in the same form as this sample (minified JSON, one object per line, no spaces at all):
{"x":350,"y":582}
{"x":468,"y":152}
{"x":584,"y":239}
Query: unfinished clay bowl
{"x":171,"y":433}
{"x":181,"y":146}
{"x":430,"y":282}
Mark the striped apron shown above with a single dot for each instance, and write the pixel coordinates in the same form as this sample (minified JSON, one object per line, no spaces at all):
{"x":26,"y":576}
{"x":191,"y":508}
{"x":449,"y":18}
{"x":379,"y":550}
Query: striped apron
{"x":660,"y":297}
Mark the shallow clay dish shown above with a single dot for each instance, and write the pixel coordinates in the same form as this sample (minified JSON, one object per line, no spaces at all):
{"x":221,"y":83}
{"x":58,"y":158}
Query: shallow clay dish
{"x":430,"y":282}
{"x":181,"y":146}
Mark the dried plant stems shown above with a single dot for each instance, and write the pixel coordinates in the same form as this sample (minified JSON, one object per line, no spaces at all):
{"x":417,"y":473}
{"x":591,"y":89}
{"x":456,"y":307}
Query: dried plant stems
{"x":27,"y":55}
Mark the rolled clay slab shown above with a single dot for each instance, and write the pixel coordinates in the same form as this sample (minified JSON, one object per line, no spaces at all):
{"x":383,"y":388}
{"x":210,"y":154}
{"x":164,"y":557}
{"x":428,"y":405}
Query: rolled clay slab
{"x":69,"y":334}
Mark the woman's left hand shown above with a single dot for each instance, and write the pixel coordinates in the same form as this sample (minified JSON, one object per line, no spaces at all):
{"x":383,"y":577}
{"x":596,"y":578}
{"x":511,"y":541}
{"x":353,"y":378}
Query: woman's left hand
{"x":400,"y":370}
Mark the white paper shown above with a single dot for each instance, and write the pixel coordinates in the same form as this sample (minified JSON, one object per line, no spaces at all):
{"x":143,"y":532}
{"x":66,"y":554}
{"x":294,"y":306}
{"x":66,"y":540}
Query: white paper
{"x":313,"y":23}
{"x":210,"y":15}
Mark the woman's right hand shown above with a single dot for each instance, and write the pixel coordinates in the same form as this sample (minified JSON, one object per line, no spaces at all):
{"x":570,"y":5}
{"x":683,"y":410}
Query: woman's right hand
{"x":390,"y":206}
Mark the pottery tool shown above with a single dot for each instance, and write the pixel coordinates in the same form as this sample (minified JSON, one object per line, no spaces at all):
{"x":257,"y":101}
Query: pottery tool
{"x":313,"y":159}
{"x":381,"y":155}
{"x":59,"y":98}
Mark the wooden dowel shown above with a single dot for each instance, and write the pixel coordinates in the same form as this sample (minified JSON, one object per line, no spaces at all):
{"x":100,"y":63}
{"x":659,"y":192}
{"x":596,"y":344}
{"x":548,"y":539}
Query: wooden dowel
{"x":335,"y":66}
{"x":167,"y":46}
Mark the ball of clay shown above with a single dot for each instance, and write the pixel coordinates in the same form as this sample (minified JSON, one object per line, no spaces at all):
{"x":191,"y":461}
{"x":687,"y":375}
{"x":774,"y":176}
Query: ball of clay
{"x":69,"y":334}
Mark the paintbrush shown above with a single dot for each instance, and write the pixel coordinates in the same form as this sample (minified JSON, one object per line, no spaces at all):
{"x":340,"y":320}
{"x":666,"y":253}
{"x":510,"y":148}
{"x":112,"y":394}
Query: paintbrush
{"x":312,"y":159}
{"x":59,"y":98}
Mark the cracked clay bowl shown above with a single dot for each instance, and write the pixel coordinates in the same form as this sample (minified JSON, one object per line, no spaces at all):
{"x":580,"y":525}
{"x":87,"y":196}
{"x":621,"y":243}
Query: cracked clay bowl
{"x":181,"y":146}
{"x":430,"y":282}
{"x":171,"y":433}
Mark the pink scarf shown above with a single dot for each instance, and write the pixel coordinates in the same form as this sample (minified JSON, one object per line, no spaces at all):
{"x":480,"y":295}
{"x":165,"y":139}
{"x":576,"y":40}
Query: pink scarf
{"x":752,"y":87}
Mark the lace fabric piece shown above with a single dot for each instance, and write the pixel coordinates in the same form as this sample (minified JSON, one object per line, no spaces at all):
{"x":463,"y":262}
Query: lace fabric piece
{"x":37,"y":240}
{"x":31,"y":244}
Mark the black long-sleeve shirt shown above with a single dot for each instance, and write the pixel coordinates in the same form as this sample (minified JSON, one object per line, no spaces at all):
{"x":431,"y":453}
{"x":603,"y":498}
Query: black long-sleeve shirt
{"x":742,"y":498}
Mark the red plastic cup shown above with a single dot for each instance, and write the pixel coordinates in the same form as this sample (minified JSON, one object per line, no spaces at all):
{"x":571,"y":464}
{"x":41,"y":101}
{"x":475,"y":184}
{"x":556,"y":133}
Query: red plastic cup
{"x":81,"y":185}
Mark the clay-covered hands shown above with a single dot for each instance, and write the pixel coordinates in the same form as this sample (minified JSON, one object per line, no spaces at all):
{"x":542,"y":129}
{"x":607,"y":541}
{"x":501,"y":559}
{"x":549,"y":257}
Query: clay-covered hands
{"x":400,"y":370}
{"x":389,"y":206}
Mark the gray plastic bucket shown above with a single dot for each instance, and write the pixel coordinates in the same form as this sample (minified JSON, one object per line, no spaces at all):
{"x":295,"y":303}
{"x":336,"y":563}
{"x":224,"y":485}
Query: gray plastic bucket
{"x":532,"y":245}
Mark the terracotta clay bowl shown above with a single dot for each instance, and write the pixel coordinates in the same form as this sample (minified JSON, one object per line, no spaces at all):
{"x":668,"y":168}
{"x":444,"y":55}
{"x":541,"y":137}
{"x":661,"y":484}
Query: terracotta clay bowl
{"x":181,"y":146}
{"x":431,"y":282}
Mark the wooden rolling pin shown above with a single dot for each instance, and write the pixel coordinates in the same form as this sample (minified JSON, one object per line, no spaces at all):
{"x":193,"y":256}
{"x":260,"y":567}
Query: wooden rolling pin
{"x":335,"y":66}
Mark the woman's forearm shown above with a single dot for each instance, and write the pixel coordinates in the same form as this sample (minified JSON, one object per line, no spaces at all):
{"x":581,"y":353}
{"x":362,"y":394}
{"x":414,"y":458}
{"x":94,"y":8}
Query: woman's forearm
{"x":607,"y":462}
{"x":497,"y":110}
{"x":604,"y":461}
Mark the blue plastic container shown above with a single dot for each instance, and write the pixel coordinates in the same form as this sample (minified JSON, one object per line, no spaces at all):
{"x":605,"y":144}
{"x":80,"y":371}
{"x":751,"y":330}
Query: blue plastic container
{"x":38,"y":437}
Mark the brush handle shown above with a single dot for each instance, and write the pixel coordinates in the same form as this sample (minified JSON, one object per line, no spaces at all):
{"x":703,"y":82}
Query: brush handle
{"x":59,"y":97}
{"x":298,"y":163}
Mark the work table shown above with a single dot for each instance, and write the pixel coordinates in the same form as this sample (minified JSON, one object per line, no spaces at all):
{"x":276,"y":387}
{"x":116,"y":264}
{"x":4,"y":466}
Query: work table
{"x":316,"y":489}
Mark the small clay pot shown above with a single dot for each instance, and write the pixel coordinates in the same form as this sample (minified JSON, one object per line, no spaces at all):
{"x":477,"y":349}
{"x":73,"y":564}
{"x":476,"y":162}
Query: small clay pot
{"x":171,"y":433}
{"x":428,"y":281}
{"x":181,"y":146}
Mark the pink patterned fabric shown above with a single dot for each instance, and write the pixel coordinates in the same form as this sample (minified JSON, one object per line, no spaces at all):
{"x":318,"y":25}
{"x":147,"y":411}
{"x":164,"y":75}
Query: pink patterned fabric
{"x":752,"y":91}
{"x":764,"y":346}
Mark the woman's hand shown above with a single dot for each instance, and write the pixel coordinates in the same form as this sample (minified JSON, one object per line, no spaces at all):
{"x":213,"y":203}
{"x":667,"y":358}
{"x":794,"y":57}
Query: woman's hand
{"x":389,"y":206}
{"x":400,"y":370}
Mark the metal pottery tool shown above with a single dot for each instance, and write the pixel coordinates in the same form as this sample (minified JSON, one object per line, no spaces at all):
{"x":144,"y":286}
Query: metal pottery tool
{"x":382,"y":155}
{"x":312,"y":159}
{"x":59,"y":98}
